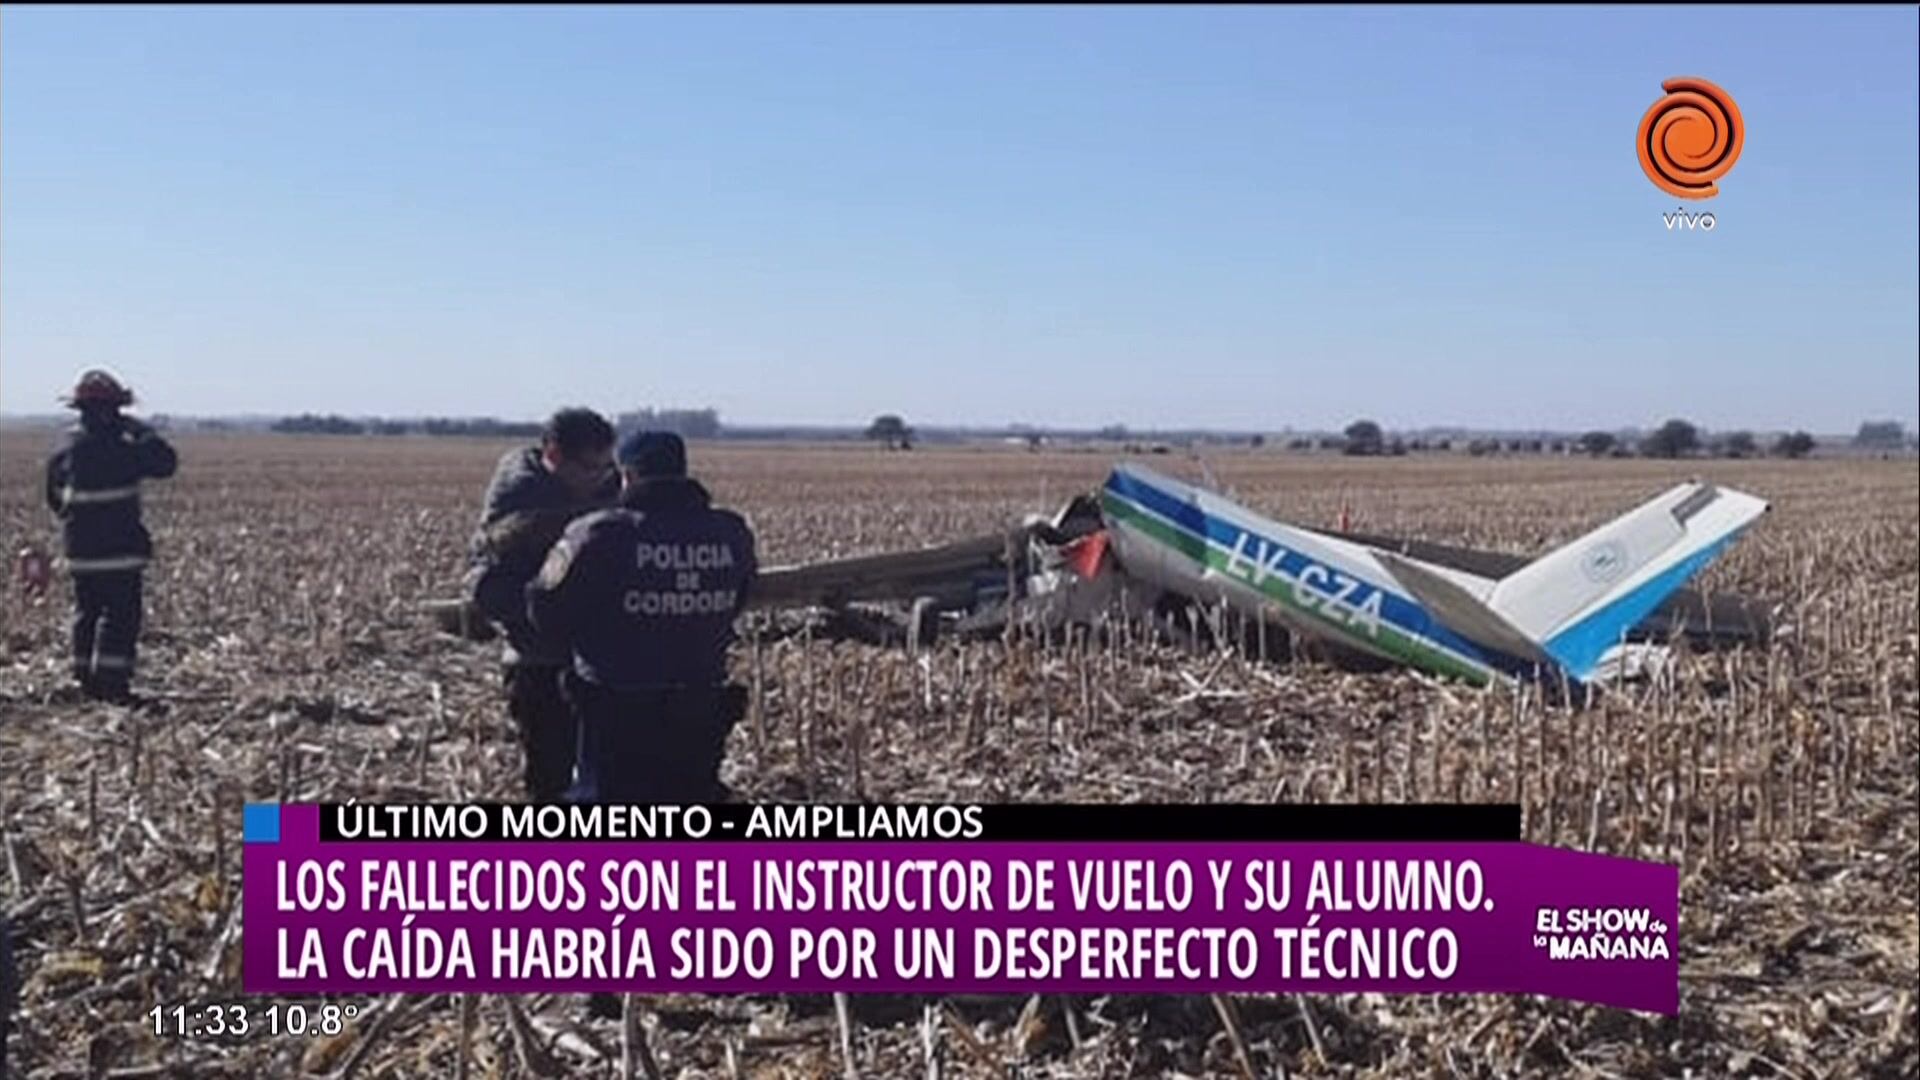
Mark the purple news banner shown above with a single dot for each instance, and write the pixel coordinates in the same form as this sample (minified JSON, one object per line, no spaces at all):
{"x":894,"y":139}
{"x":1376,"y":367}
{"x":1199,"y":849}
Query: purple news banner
{"x":951,"y":916}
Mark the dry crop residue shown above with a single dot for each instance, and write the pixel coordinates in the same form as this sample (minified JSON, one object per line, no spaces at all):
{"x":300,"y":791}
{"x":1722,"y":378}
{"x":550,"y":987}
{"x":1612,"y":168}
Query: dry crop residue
{"x":284,"y":636}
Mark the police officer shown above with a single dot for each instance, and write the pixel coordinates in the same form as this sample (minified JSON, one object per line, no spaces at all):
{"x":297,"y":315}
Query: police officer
{"x":644,"y":597}
{"x":535,"y":492}
{"x":93,"y":487}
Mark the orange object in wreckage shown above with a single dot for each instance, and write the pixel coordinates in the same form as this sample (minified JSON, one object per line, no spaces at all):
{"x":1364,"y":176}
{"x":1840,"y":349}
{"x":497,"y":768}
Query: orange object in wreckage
{"x":1083,"y":555}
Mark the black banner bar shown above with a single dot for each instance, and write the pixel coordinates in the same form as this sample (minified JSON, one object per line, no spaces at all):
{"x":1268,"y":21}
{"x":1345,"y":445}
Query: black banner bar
{"x":1062,"y":822}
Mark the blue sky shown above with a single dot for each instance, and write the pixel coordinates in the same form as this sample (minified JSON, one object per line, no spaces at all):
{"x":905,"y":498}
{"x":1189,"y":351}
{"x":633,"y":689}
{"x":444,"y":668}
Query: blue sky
{"x":1233,"y":217}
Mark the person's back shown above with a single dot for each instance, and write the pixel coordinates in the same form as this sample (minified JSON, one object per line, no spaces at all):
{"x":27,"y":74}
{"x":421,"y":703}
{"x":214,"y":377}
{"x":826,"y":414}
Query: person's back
{"x":674,"y":571}
{"x":643,"y":597}
{"x":93,"y":488}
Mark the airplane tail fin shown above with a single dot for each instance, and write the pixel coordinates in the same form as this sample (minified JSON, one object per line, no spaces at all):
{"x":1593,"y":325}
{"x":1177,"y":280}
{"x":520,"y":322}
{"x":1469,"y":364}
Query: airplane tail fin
{"x":1573,"y":604}
{"x":1579,"y":599}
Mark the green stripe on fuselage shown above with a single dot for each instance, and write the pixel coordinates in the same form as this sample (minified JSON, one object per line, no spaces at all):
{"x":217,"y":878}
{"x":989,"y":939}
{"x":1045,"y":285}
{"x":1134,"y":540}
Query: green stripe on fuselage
{"x":1395,"y":642}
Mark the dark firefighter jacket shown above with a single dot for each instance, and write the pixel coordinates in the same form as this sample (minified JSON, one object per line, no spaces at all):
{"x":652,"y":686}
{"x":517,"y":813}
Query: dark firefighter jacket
{"x":645,"y":595}
{"x":93,"y":486}
{"x":527,"y":508}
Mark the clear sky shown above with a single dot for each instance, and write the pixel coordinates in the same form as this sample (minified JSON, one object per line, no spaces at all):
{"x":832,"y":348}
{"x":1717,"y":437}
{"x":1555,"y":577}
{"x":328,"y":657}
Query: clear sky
{"x":1224,"y":217}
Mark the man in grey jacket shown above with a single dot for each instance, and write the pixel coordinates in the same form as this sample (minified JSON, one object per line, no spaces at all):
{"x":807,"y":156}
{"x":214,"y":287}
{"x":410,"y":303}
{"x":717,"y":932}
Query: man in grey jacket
{"x":536,"y":491}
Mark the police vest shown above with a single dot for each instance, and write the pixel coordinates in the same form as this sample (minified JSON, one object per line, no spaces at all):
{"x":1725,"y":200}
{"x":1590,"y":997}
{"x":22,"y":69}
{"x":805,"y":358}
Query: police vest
{"x":661,"y":590}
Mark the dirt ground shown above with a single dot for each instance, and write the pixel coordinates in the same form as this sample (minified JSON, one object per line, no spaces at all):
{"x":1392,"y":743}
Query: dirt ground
{"x":285,"y":641}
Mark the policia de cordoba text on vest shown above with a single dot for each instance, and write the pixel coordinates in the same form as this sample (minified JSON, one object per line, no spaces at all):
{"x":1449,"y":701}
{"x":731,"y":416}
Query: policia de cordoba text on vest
{"x":643,"y":597}
{"x":683,"y":556}
{"x":687,"y":561}
{"x":679,"y":603}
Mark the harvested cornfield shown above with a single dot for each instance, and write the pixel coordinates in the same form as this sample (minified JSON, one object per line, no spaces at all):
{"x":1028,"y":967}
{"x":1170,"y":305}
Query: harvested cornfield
{"x":285,"y":642}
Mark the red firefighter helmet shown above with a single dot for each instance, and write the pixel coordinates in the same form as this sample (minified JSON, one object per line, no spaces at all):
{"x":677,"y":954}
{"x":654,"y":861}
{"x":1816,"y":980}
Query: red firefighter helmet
{"x":96,"y":387}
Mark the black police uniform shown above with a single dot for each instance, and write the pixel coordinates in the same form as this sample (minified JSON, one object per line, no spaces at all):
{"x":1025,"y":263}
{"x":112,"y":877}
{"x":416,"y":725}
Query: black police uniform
{"x":527,"y":508}
{"x":644,"y":597}
{"x":93,"y":486}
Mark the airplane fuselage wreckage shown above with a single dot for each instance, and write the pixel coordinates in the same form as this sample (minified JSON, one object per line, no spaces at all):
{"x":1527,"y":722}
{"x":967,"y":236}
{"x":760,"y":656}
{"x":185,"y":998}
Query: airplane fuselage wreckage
{"x":1568,"y":611}
{"x":1149,"y":546}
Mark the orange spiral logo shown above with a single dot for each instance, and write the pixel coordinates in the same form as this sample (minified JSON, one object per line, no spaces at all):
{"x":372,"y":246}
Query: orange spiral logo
{"x":1691,"y":138}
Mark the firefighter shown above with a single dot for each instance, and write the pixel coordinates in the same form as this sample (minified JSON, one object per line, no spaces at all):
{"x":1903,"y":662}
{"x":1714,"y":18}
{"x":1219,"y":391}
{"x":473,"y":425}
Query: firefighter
{"x":643,"y":597}
{"x":535,"y":492}
{"x":93,"y":487}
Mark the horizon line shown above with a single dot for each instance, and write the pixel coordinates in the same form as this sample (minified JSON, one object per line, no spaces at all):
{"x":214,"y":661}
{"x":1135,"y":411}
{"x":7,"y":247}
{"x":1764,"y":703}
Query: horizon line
{"x":1004,"y":428}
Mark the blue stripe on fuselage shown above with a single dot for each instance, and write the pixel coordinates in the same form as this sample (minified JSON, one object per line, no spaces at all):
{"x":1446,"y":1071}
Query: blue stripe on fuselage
{"x":1398,"y":611}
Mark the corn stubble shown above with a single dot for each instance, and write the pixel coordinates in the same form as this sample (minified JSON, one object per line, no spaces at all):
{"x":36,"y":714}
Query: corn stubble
{"x":284,"y":638}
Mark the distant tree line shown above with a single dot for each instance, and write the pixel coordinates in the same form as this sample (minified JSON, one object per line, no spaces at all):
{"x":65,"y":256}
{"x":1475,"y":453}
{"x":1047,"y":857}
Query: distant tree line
{"x":309,"y":424}
{"x":1675,"y":438}
{"x":688,"y":423}
{"x":484,"y":427}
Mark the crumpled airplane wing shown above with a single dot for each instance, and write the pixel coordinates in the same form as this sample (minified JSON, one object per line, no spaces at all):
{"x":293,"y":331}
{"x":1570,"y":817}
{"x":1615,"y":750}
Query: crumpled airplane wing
{"x":946,"y":571}
{"x":1456,"y":607}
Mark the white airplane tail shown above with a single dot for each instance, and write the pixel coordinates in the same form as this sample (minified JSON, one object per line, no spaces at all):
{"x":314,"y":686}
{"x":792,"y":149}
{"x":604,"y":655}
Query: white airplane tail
{"x":1573,"y":604}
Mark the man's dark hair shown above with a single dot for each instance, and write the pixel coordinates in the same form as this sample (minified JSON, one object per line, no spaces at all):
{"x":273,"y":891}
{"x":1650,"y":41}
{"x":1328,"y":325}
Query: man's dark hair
{"x":576,"y":431}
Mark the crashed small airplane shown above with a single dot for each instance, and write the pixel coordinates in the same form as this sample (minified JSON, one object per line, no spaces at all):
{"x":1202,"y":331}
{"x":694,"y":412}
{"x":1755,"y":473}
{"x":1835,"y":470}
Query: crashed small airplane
{"x":1594,"y":609}
{"x":1568,"y":611}
{"x":1586,"y":610}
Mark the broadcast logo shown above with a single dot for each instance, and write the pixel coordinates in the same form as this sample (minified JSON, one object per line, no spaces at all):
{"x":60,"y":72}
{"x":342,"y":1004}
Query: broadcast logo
{"x":1689,"y":140}
{"x":1600,"y":934}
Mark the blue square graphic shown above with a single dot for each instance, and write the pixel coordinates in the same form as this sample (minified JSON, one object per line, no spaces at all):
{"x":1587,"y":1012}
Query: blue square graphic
{"x":260,"y":824}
